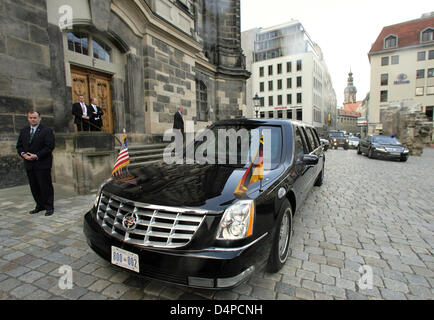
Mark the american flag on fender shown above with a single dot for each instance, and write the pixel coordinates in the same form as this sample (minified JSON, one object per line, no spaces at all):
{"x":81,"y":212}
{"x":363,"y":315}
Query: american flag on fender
{"x":123,"y":158}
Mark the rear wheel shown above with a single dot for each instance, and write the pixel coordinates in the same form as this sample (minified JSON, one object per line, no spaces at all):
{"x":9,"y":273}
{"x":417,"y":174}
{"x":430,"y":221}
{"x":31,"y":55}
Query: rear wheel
{"x":282,"y":236}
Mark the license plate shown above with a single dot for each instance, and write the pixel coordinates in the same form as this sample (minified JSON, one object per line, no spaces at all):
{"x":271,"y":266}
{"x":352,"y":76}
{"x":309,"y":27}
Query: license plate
{"x":395,"y":153}
{"x":125,"y":259}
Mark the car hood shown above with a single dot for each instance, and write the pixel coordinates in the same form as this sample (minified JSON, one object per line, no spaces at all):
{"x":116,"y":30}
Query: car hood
{"x":207,"y":187}
{"x":383,"y":145}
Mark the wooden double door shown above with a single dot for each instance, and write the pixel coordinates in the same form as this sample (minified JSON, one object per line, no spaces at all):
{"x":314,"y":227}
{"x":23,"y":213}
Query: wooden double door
{"x":93,"y":84}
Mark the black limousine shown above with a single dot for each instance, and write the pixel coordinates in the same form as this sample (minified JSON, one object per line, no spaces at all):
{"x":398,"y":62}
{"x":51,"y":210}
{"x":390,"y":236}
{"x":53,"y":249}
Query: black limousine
{"x":209,"y":225}
{"x":383,"y":147}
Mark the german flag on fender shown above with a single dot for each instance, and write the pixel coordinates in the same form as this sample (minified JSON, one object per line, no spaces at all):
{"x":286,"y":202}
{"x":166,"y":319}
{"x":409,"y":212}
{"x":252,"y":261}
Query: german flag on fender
{"x":255,"y":172}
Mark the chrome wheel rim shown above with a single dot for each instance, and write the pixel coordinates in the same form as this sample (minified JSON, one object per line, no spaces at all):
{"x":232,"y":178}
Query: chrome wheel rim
{"x":284,"y":233}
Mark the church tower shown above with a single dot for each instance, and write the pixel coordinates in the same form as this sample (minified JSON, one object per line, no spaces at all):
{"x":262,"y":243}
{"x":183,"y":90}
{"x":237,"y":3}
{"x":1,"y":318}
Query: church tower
{"x":350,"y":91}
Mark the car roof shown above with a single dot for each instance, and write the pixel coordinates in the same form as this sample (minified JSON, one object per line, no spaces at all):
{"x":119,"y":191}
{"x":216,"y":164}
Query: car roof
{"x":263,"y":122}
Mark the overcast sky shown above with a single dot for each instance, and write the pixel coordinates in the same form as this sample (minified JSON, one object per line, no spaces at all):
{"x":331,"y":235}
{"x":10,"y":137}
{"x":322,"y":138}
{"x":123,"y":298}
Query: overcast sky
{"x":344,"y":29}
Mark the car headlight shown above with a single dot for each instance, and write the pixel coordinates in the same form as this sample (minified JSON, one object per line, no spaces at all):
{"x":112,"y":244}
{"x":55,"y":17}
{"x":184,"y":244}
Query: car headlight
{"x":406,"y":150}
{"x":237,"y":221}
{"x":381,"y":149}
{"x":346,"y":140}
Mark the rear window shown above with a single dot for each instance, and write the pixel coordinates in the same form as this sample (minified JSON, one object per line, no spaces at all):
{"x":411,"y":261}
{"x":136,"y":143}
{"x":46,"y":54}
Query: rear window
{"x":336,"y":134}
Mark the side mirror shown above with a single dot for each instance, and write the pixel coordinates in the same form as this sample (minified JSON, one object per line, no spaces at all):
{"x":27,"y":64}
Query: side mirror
{"x":310,"y":159}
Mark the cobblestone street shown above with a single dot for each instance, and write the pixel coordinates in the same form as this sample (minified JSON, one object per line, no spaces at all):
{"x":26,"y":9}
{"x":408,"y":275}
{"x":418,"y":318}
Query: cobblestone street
{"x":368,"y":212}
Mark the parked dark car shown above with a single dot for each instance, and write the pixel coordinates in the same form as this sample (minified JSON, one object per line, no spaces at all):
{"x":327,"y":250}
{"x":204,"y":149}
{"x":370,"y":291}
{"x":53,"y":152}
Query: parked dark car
{"x":185,"y":224}
{"x":383,"y":147}
{"x":337,"y":139}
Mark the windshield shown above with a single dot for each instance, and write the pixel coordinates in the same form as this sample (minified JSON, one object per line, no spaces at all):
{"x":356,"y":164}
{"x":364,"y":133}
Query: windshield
{"x":237,"y":145}
{"x":336,"y":134}
{"x":385,"y":140}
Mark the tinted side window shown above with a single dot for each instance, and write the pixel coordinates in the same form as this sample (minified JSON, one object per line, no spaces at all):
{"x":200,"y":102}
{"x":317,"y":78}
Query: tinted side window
{"x":312,"y":137}
{"x":299,"y":147}
{"x":308,"y":140}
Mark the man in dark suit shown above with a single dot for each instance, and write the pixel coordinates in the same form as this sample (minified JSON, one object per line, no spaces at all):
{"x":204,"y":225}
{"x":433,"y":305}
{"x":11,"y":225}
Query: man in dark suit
{"x":81,"y":114}
{"x":178,"y":122}
{"x":35,"y":145}
{"x":95,"y":115}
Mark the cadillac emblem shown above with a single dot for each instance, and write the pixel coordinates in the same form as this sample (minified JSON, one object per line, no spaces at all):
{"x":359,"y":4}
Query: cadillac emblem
{"x":130,"y":221}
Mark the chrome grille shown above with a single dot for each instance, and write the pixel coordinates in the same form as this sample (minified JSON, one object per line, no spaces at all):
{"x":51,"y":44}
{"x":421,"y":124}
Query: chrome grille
{"x":156,"y":226}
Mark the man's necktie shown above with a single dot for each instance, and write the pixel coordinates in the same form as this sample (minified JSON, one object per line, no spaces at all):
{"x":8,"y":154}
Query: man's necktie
{"x":32,"y":134}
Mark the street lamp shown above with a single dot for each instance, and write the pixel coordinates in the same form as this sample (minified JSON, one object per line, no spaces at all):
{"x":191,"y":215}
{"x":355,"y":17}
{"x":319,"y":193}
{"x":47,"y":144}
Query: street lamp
{"x":256,"y":104}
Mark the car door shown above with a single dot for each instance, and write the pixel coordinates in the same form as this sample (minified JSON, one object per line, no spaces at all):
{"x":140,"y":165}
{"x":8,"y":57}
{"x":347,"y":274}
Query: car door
{"x":310,"y":169}
{"x":300,"y":172}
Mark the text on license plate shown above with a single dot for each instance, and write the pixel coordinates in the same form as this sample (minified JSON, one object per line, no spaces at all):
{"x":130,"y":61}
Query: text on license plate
{"x":125,"y":259}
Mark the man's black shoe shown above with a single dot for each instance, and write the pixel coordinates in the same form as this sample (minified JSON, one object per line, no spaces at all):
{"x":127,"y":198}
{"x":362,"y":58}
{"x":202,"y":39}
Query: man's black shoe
{"x":49,"y":212}
{"x":36,"y":210}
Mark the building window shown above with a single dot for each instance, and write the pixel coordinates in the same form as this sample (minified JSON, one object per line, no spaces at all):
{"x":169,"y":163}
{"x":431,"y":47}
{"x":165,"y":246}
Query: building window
{"x":201,"y":101}
{"x":270,"y":101}
{"x":289,"y":98}
{"x":270,"y":114}
{"x":101,"y":50}
{"x":279,"y":100}
{"x":261,"y":71}
{"x":395,"y":59}
{"x":289,"y":83}
{"x":289,"y":114}
{"x":385,"y":61}
{"x":78,"y":42}
{"x":270,"y":70}
{"x":279,"y":84}
{"x":261,"y":87}
{"x":299,"y":97}
{"x":383,"y":96}
{"x":420,"y":74}
{"x":299,"y":65}
{"x":300,"y":114}
{"x":262,"y":114}
{"x":431,"y":54}
{"x":279,"y":68}
{"x":430,"y":90}
{"x":288,"y":67}
{"x":431,"y":73}
{"x":280,"y":114}
{"x":384,"y":79}
{"x":298,"y":82}
{"x":270,"y":85}
{"x":428,"y":35}
{"x":421,"y":56}
{"x":390,"y":42}
{"x":419,"y":91}
{"x":428,"y":112}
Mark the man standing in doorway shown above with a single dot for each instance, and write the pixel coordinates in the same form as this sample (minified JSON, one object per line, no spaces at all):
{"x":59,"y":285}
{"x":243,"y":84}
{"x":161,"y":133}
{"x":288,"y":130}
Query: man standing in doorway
{"x":178,"y":122}
{"x":81,"y":114}
{"x":35,"y":145}
{"x":95,"y":115}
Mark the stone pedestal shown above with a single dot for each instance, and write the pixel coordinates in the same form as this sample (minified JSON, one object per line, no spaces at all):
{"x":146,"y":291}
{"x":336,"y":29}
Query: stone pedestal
{"x":83,"y":160}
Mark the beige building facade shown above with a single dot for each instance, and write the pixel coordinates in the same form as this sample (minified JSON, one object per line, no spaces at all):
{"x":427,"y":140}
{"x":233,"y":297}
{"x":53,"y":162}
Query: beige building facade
{"x":402,"y":69}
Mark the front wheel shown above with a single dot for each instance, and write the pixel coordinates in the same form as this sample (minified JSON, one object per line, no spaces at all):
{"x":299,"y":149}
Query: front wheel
{"x":282,"y":236}
{"x":370,"y":154}
{"x":358,"y":150}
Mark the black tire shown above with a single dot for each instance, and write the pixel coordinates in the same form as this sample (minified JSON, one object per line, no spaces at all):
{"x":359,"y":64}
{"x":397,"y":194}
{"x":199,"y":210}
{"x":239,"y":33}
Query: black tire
{"x":358,"y":150}
{"x":280,"y":248}
{"x":370,"y":155}
{"x":345,"y":148}
{"x":404,"y":159}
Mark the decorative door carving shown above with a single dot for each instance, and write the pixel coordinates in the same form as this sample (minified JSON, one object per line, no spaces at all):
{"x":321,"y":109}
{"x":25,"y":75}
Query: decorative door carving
{"x":93,"y":84}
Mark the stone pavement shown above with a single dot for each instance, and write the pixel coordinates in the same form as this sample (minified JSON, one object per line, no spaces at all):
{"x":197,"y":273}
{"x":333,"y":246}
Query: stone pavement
{"x":369,"y":217}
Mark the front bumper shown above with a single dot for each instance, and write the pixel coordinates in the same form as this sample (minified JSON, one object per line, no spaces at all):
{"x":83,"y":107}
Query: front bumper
{"x":212,"y":268}
{"x":386,"y":155}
